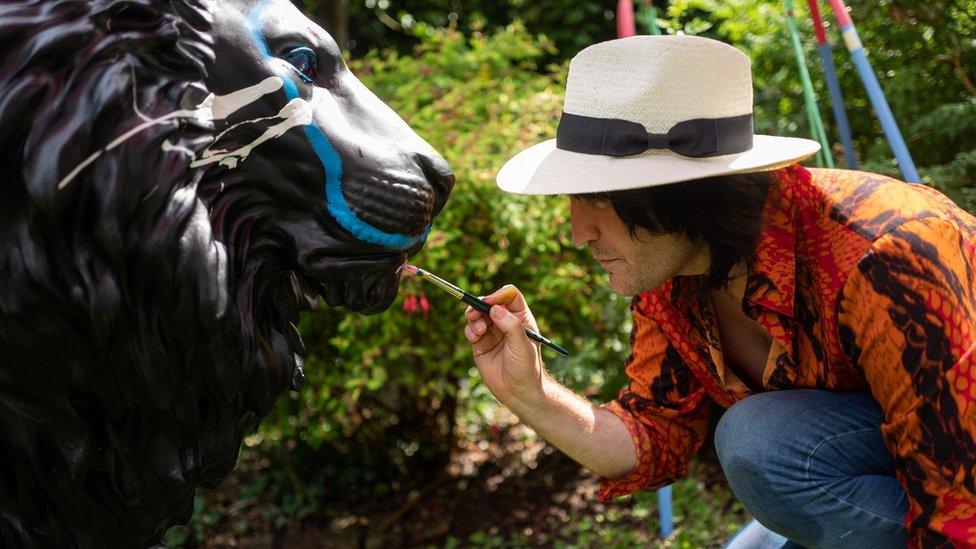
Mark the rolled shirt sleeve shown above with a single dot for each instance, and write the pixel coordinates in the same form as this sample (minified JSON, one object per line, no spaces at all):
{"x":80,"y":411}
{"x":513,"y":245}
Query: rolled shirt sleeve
{"x":907,"y":317}
{"x":664,"y":408}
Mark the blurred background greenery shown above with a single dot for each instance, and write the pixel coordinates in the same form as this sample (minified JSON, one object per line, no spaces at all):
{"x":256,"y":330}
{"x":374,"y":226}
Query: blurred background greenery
{"x":393,"y":428}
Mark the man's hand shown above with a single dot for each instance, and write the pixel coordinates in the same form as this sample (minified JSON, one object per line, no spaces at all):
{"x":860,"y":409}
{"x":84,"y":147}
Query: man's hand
{"x":510,"y":363}
{"x":511,"y":366}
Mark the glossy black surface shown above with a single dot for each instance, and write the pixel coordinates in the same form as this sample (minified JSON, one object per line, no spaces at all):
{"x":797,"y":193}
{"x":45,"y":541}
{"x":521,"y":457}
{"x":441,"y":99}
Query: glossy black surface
{"x":147,"y":306}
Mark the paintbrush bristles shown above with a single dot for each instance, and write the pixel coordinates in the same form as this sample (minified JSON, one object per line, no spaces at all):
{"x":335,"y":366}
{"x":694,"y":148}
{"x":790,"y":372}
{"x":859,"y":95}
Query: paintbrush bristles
{"x":409,"y":268}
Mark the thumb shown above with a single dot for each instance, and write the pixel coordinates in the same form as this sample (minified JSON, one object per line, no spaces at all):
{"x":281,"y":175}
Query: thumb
{"x":514,"y":331}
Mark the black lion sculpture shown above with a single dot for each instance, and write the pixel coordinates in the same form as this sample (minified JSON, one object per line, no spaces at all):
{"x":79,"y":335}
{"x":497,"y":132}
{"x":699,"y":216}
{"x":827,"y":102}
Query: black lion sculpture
{"x":180,"y":179}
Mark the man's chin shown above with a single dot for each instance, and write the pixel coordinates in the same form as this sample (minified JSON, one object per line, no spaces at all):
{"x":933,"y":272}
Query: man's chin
{"x":625,"y":286}
{"x":620,"y":287}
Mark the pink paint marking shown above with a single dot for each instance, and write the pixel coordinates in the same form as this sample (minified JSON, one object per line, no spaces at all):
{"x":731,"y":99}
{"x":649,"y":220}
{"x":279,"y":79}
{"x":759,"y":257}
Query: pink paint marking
{"x":410,"y":269}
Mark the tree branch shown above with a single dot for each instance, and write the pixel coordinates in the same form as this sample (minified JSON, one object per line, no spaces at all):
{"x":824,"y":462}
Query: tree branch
{"x":961,"y":73}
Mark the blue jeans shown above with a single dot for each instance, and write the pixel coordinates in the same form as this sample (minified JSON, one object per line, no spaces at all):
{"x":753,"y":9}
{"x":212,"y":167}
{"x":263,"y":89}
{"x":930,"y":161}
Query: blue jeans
{"x":812,"y":468}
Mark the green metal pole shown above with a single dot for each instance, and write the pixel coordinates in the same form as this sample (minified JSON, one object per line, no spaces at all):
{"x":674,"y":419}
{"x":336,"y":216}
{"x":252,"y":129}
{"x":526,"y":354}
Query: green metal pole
{"x":648,"y":14}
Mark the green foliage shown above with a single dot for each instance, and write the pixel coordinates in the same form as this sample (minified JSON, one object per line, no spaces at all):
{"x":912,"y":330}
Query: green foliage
{"x":923,"y":55}
{"x":194,"y":532}
{"x":402,"y":24}
{"x":384,"y":391}
{"x":952,"y":127}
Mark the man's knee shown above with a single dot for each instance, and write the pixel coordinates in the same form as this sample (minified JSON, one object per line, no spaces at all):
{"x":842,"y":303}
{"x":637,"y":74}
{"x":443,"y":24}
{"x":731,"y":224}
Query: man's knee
{"x":744,"y":438}
{"x":754,"y":442}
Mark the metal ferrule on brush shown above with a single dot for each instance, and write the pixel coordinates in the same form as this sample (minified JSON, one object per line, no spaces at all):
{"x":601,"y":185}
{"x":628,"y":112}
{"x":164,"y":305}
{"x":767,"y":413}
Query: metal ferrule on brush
{"x":443,"y":284}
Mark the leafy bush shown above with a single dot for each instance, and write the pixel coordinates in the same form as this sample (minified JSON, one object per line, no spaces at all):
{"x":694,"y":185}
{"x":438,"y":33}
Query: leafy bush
{"x":923,"y":57}
{"x":393,"y":24}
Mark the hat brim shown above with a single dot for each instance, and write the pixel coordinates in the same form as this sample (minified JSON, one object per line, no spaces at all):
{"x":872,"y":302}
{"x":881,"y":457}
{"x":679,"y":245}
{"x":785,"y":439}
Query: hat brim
{"x":544,"y":169}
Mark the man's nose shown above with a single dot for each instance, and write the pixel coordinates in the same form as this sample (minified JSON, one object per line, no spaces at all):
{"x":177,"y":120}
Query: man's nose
{"x":583,"y":230}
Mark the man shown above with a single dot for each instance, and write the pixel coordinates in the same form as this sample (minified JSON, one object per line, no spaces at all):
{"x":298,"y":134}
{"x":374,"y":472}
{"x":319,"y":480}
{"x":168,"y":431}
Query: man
{"x":832,"y":312}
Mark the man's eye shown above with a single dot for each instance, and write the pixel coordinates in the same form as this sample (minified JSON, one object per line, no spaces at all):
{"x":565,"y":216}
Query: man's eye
{"x":304,"y":60}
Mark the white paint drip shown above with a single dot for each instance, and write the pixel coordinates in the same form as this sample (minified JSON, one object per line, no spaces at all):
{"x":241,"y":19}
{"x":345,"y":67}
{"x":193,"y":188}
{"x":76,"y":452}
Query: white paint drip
{"x":214,"y":107}
{"x":167,"y":146}
{"x":223,"y":106}
{"x":297,"y":112}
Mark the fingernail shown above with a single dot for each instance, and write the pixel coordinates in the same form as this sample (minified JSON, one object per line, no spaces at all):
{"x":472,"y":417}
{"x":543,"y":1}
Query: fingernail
{"x":497,"y":312}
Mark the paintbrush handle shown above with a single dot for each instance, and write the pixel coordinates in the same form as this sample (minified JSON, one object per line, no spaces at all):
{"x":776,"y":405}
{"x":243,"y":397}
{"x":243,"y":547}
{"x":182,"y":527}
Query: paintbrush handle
{"x":480,"y":305}
{"x":476,"y":303}
{"x":545,"y":341}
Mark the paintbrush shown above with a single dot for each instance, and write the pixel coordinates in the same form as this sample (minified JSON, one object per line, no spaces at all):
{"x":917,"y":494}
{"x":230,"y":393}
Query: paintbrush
{"x":474,"y":302}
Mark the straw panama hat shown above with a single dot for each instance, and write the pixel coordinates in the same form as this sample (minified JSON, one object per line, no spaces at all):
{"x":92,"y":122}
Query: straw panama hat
{"x":651,"y":110}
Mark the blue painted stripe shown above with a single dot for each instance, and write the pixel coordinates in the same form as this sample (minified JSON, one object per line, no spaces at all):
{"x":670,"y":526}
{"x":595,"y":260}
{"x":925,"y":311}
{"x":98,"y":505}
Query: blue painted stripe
{"x":331,"y":161}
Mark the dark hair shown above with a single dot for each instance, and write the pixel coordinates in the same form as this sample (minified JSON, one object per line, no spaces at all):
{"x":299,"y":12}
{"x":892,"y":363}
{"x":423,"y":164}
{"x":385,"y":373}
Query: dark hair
{"x":725,"y":212}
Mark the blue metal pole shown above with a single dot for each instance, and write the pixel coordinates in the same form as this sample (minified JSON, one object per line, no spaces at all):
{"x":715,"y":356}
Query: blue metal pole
{"x":837,"y":103}
{"x":664,"y":506}
{"x":871,"y":85}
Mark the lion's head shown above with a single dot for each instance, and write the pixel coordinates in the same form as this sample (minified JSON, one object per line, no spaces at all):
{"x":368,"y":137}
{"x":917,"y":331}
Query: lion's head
{"x":353,"y":191}
{"x":180,"y":179}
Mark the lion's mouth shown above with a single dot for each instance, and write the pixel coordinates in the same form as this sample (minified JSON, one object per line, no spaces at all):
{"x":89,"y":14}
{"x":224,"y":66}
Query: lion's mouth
{"x":366,"y":284}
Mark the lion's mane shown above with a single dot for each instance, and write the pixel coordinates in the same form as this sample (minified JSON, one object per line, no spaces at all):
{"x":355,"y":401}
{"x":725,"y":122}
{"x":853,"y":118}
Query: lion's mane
{"x":135,"y":351}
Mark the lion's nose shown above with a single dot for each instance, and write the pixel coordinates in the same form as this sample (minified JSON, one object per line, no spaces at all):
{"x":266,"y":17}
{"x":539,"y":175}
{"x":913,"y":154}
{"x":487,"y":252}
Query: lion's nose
{"x":440,"y":177}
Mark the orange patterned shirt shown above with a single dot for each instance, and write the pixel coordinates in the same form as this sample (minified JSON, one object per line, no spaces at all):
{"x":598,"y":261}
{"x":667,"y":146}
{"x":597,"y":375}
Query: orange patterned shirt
{"x":864,"y":283}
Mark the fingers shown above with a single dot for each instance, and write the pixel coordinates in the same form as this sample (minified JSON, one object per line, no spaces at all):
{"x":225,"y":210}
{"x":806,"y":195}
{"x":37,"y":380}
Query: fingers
{"x":470,"y":334}
{"x":513,"y":328}
{"x":474,"y":329}
{"x":483,"y":335}
{"x":509,"y":296}
{"x":507,"y":321}
{"x":472,"y":314}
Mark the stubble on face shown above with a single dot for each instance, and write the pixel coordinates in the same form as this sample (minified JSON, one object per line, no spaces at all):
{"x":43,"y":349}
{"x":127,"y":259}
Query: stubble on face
{"x":651,"y":260}
{"x":636,"y":261}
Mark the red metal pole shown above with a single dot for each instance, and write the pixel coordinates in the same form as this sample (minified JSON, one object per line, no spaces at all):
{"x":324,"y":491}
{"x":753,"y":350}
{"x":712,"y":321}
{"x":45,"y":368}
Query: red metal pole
{"x":818,"y":26}
{"x":840,"y":12}
{"x":625,"y":19}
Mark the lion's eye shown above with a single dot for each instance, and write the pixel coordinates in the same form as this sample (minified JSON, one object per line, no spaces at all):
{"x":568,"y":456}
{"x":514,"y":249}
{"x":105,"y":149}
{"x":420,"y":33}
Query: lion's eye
{"x":304,"y":60}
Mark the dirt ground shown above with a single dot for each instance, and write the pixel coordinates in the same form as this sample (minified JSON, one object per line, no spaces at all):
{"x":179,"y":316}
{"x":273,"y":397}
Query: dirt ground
{"x":514,"y":486}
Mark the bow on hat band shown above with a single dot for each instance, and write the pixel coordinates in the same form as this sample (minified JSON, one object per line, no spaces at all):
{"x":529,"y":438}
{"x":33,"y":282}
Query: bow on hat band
{"x":701,"y":137}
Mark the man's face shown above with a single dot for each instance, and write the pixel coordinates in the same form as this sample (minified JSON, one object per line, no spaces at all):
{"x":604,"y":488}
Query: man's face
{"x":636,"y":263}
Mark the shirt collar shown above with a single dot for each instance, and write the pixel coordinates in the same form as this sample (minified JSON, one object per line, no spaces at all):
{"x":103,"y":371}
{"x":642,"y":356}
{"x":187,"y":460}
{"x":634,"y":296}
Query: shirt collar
{"x":771,"y":282}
